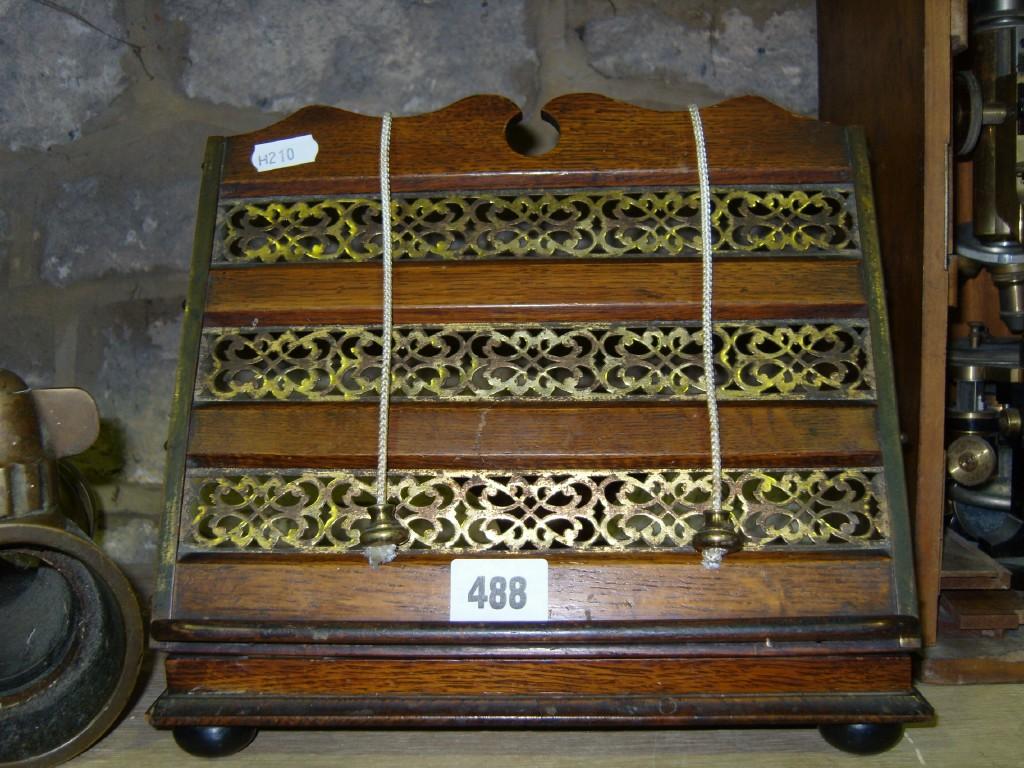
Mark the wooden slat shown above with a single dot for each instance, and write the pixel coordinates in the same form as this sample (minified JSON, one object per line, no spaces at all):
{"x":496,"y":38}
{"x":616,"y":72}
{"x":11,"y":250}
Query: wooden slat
{"x":603,"y":143}
{"x":516,"y":677}
{"x":981,"y":609}
{"x":531,"y":436}
{"x":964,"y":566}
{"x":539,"y":713}
{"x":671,"y":586}
{"x":971,"y":657}
{"x":597,"y":290}
{"x":586,"y":640}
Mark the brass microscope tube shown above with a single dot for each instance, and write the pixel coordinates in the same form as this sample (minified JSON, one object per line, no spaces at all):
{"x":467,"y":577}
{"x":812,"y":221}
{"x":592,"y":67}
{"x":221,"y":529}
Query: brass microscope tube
{"x":71,"y":637}
{"x":990,"y":130}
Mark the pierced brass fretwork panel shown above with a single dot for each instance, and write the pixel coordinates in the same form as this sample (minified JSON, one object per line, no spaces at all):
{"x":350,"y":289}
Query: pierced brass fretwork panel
{"x":515,"y":511}
{"x":583,"y":362}
{"x":569,"y":225}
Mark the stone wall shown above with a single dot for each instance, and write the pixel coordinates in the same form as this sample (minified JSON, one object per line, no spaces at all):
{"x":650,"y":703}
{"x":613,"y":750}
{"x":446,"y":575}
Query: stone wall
{"x":107,"y":104}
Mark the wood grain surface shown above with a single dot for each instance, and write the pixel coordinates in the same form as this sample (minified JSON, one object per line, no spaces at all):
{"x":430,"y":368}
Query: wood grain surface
{"x":974,"y":732}
{"x":965,"y":658}
{"x":532,"y":435}
{"x":864,"y":48}
{"x":965,"y":566}
{"x":598,"y":587}
{"x":603,"y":142}
{"x":511,"y":677}
{"x":983,"y":609}
{"x":559,"y":711}
{"x":548,"y":291}
{"x":601,"y":639}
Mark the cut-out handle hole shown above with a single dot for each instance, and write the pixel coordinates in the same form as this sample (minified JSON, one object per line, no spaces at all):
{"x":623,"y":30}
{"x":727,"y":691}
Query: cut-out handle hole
{"x":533,"y":137}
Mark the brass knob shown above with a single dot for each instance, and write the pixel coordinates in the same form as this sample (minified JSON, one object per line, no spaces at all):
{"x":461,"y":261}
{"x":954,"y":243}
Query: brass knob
{"x":717,"y":538}
{"x":384,"y":528}
{"x":970,"y":460}
{"x":1010,"y":423}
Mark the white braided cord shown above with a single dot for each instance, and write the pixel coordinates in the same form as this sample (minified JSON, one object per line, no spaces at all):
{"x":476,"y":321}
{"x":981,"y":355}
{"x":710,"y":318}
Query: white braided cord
{"x":706,"y":304}
{"x":385,"y":357}
{"x":705,"y":315}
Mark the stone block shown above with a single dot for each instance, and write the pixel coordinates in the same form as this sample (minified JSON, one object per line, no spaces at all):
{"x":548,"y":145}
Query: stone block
{"x":58,"y":70}
{"x":127,"y":359}
{"x":102,"y":226}
{"x":744,"y":49}
{"x":5,"y":236}
{"x":27,"y":344}
{"x":129,"y":538}
{"x":364,"y":55}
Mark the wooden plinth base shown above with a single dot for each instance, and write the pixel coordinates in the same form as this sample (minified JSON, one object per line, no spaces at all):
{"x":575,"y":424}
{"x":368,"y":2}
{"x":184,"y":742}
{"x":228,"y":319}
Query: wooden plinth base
{"x":301,"y":692}
{"x":174,"y":710}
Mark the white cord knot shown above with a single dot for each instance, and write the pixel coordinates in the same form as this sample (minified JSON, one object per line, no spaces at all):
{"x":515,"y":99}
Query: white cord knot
{"x":380,"y":554}
{"x":711,"y":558}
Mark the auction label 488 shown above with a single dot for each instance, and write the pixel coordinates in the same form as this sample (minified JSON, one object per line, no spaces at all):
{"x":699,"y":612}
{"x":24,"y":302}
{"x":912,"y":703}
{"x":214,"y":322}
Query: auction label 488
{"x":499,"y":589}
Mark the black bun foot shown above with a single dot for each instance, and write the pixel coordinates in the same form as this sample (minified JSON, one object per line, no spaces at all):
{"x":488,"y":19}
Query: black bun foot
{"x":213,"y":740}
{"x":862,"y":738}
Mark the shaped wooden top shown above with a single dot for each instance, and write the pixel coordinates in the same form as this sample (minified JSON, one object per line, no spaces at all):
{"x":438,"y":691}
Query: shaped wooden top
{"x":602,"y":143}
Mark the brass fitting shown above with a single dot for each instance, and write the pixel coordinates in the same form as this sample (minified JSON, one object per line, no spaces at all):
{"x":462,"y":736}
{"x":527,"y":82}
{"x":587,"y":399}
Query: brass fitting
{"x":28,"y":477}
{"x":970,"y":460}
{"x":717,"y":538}
{"x":384,"y":528}
{"x":72,"y":641}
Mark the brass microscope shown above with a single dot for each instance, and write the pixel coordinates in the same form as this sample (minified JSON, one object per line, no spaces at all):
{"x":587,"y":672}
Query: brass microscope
{"x":985,"y":460}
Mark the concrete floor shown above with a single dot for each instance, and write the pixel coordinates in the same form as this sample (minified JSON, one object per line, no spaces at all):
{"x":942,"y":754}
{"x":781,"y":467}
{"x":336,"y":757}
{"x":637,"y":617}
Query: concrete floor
{"x":978,"y":727}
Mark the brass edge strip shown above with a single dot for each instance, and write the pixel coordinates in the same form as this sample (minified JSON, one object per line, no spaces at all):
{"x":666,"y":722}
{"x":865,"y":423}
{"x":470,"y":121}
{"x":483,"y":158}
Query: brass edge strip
{"x":904,"y":588}
{"x":191,"y":472}
{"x":188,"y":363}
{"x":555,"y":324}
{"x":842,"y":186}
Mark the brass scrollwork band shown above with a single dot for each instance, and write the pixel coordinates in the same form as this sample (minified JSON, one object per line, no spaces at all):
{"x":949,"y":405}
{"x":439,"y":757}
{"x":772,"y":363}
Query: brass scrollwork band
{"x":580,"y":362}
{"x":228,"y":510}
{"x":568,"y":225}
{"x":470,"y":511}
